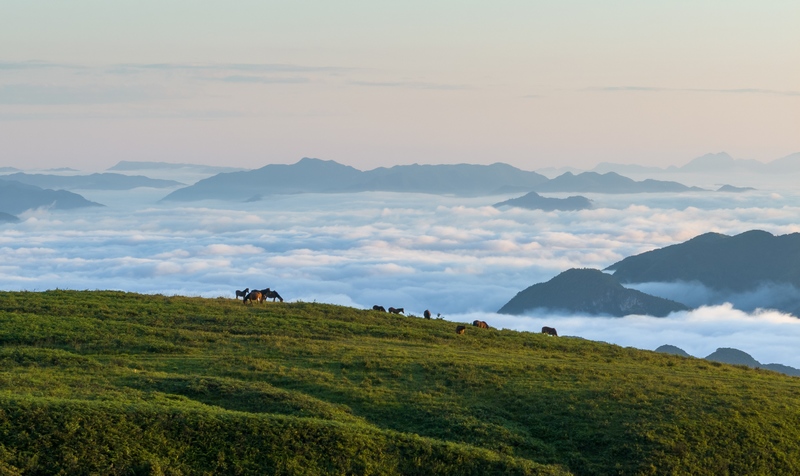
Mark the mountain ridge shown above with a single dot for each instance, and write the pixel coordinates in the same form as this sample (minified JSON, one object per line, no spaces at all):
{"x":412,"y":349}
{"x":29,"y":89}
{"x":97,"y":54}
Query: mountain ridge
{"x":588,"y":291}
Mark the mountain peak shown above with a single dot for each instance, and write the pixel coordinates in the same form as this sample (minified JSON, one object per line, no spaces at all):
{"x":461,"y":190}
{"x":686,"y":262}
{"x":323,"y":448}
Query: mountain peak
{"x":588,"y":291}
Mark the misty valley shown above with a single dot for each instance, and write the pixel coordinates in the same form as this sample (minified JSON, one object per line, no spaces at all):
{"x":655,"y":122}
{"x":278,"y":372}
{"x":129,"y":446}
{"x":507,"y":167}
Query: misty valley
{"x":324,"y":232}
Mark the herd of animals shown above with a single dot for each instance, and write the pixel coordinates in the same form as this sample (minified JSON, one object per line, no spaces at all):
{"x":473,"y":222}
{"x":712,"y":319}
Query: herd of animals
{"x":264,"y":294}
{"x":259,"y":295}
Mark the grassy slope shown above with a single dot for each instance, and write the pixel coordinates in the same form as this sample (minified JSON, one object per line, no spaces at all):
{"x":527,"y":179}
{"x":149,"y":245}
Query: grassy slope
{"x":115,"y":383}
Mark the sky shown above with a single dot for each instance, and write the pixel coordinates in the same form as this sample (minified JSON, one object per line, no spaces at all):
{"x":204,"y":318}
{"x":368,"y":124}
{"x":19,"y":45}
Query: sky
{"x":85,"y":84}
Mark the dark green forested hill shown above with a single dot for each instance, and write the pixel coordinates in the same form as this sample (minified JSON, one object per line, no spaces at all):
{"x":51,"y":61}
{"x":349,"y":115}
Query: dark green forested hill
{"x":588,"y":291}
{"x":738,"y":263}
{"x":117,"y":383}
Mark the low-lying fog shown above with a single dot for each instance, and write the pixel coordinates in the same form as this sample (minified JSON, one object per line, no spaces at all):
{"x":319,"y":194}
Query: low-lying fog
{"x":456,"y":256}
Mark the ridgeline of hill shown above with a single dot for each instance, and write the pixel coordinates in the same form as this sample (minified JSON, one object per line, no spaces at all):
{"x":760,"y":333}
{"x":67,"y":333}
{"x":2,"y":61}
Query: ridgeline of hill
{"x":118,"y":383}
{"x":16,"y":197}
{"x":728,"y":355}
{"x":534,"y":201}
{"x":588,"y":291}
{"x":735,"y":264}
{"x":104,"y":181}
{"x":326,"y":176}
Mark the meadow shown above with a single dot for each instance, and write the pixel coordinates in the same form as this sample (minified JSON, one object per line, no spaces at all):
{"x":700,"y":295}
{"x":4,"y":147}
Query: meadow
{"x":107,"y":382}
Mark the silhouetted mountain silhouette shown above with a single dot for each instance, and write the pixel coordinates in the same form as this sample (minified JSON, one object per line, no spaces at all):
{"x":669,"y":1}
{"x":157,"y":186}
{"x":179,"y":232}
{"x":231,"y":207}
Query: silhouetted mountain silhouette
{"x":17,"y":197}
{"x":611,"y":182}
{"x":534,"y":201}
{"x":671,"y":349}
{"x":105,"y":181}
{"x":327,"y":176}
{"x":728,"y":355}
{"x":737,"y":263}
{"x":589,"y":291}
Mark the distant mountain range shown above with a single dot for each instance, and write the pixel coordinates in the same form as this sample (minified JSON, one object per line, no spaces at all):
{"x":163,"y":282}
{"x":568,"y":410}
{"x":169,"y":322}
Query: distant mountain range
{"x":728,"y":355}
{"x":611,"y":182}
{"x":710,"y":164}
{"x":128,"y":165}
{"x":16,"y":197}
{"x":326,"y":176}
{"x":534,"y":201}
{"x":588,"y":291}
{"x":103,"y":181}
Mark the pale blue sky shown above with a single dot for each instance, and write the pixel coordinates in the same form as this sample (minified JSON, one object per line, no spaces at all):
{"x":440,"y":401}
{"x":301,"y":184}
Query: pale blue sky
{"x":535,"y":84}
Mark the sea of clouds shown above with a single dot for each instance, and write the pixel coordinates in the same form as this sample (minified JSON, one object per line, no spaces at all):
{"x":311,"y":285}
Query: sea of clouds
{"x":456,"y":256}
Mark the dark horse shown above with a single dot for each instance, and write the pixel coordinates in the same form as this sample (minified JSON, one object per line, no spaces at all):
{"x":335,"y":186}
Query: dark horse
{"x":242,"y":294}
{"x":551,"y":331}
{"x":270,"y":294}
{"x":460,"y":329}
{"x":480,"y":324}
{"x":397,"y":310}
{"x":378,"y":308}
{"x":427,"y":314}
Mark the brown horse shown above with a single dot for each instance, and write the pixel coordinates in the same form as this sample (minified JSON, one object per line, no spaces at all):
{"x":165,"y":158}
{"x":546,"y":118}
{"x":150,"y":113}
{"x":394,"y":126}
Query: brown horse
{"x":551,"y":331}
{"x":480,"y":324}
{"x":461,"y":329}
{"x":253,"y":296}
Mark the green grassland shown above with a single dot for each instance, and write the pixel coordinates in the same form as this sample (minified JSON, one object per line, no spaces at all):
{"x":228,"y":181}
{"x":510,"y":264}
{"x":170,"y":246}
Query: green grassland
{"x":120,"y":383}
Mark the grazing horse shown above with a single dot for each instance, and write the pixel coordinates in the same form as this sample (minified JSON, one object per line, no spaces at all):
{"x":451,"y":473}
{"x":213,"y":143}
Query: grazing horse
{"x":242,"y":294}
{"x":551,"y":331}
{"x":268,"y":293}
{"x":461,"y":329}
{"x":253,"y":296}
{"x":398,"y":310}
{"x":480,"y":324}
{"x":427,"y":314}
{"x":378,"y":308}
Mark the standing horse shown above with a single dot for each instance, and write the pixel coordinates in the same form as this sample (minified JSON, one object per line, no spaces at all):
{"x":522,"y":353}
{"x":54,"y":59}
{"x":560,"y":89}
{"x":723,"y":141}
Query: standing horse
{"x":270,"y":294}
{"x":253,"y":296}
{"x":242,"y":294}
{"x":551,"y":331}
{"x":398,"y":310}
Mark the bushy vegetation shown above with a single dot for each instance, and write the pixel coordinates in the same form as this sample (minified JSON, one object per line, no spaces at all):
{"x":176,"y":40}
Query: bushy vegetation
{"x":119,"y":383}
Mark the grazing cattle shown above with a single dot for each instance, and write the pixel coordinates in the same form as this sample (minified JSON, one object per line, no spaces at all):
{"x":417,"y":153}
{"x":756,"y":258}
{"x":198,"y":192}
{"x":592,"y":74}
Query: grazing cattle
{"x":398,"y":310}
{"x":427,"y":314}
{"x":242,"y":294}
{"x":549,"y":331}
{"x":253,"y":296}
{"x":481,"y":324}
{"x":270,"y":294}
{"x":378,"y":308}
{"x":461,"y":329}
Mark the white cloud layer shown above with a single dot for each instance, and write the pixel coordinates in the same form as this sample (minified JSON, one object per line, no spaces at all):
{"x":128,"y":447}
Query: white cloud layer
{"x":451,"y":255}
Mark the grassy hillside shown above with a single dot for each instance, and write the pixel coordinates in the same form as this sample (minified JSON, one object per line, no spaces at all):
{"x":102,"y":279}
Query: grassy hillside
{"x":116,"y":383}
